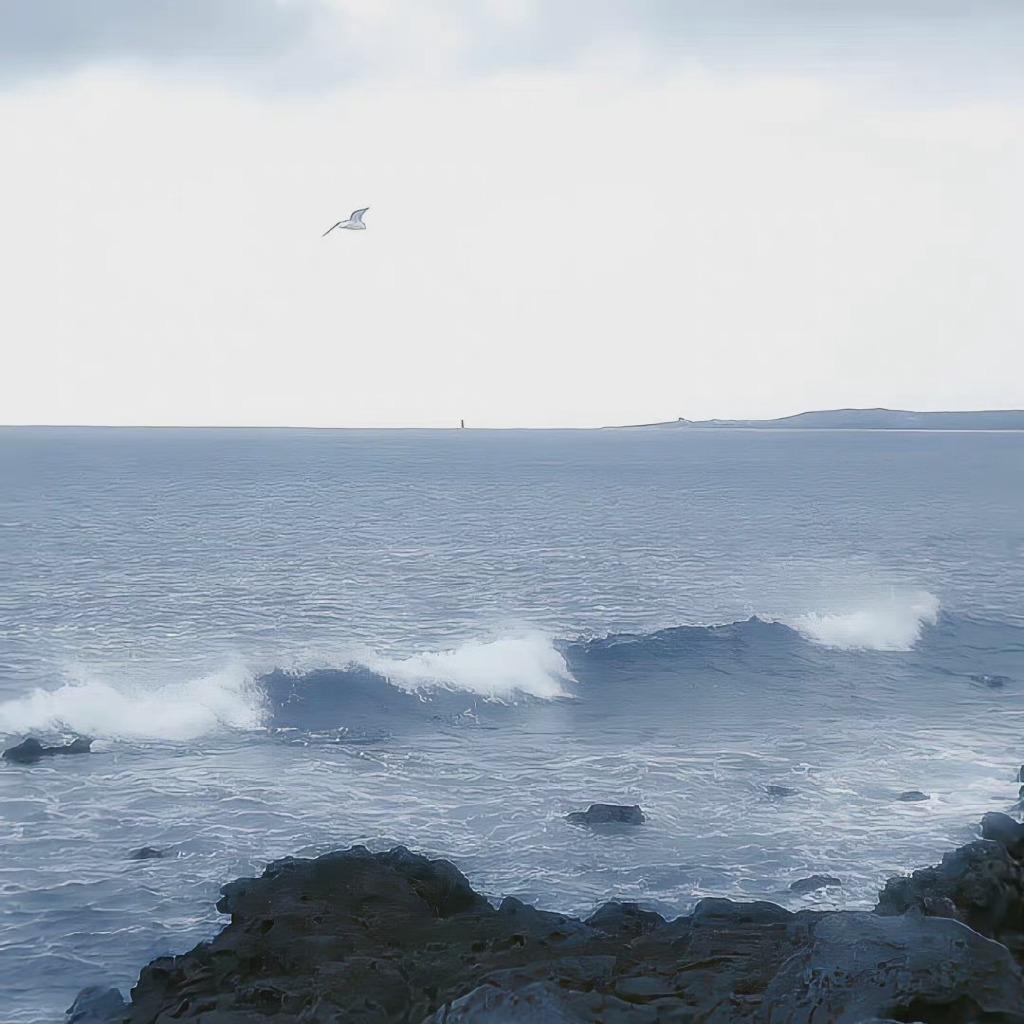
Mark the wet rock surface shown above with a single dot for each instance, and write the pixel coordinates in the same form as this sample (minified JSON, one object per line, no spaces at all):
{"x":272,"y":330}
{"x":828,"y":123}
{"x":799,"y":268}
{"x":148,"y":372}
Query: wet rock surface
{"x":146,"y":853}
{"x":608,"y":814}
{"x":980,"y":884}
{"x":30,"y":751}
{"x":814,"y":882}
{"x":96,"y":1005}
{"x":395,"y":937}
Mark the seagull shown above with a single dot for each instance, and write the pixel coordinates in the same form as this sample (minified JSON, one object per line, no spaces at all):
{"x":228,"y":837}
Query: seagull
{"x":354,"y":223}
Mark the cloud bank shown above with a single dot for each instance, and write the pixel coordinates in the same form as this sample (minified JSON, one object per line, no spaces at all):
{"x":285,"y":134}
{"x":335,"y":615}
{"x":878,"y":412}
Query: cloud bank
{"x":320,"y":44}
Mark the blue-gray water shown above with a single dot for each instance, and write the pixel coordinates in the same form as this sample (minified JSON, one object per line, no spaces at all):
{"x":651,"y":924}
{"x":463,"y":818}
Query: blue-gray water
{"x":291,"y":641}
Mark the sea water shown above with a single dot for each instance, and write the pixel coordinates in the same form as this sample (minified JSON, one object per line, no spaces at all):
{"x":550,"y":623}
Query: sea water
{"x":286,"y":642}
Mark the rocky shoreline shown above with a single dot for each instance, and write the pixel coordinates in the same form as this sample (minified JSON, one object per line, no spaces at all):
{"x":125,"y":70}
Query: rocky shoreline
{"x":371,"y":938}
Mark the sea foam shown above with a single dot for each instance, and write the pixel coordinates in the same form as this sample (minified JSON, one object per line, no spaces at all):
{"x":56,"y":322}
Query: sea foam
{"x":528,"y":665}
{"x":893,"y":623}
{"x":228,"y":698}
{"x":232,"y":698}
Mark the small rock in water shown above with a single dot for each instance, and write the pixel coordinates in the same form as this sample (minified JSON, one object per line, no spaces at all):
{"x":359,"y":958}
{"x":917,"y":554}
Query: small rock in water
{"x":814,"y":882}
{"x":912,"y":796}
{"x":1020,"y":773}
{"x":992,"y":682}
{"x":146,"y":853}
{"x":779,"y":791}
{"x":30,"y":751}
{"x":608,"y":814}
{"x":96,"y":1005}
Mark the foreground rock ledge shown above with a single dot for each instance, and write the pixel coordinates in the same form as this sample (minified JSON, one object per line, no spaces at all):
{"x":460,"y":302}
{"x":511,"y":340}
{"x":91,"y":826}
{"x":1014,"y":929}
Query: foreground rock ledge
{"x":394,"y":937}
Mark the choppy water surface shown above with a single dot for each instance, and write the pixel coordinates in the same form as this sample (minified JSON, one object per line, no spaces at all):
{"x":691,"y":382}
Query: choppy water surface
{"x":288,"y":642}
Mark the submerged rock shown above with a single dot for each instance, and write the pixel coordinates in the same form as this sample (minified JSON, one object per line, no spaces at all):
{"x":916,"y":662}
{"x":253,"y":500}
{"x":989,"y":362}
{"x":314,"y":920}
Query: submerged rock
{"x":777,"y":792}
{"x":993,"y":682}
{"x":608,"y":814}
{"x":146,"y":853}
{"x":394,"y":937}
{"x":912,"y":796}
{"x":814,"y":882}
{"x":31,"y":750}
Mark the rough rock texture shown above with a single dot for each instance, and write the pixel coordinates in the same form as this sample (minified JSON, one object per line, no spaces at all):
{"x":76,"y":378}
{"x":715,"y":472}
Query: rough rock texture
{"x":607,"y":814}
{"x":96,"y":1005}
{"x":981,"y":884}
{"x":31,"y":750}
{"x":395,"y":937}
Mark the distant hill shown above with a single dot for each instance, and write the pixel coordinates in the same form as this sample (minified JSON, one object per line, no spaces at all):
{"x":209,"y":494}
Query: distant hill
{"x":868,"y":419}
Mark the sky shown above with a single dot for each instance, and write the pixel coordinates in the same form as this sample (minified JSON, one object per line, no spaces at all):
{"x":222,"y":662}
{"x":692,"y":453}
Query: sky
{"x":582,"y":212}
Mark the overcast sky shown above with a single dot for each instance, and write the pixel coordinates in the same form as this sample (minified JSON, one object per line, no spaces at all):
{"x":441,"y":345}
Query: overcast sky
{"x":582,"y":212}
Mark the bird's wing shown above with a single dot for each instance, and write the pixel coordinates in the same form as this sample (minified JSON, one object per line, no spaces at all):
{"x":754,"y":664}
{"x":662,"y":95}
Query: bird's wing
{"x":357,"y":215}
{"x":331,"y":228}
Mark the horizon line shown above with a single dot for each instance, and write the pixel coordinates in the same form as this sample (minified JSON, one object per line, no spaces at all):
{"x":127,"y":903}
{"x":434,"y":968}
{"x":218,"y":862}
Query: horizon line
{"x":461,"y":425}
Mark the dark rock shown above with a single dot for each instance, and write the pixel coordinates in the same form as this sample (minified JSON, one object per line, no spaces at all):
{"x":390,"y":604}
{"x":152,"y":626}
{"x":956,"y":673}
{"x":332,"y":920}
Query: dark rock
{"x":97,"y":1005}
{"x":607,"y":814}
{"x":721,"y":912}
{"x":30,"y":751}
{"x":857,"y":965}
{"x":1020,"y":773}
{"x":624,"y":919}
{"x":1001,"y":828}
{"x":146,"y":853}
{"x":541,"y":1002}
{"x":777,"y":792}
{"x":27,"y":752}
{"x":912,"y":796}
{"x":981,"y":883}
{"x":394,"y":937}
{"x":814,"y":882}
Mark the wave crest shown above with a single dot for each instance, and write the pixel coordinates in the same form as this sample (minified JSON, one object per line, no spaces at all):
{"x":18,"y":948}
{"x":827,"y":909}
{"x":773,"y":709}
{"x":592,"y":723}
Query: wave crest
{"x":228,"y":698}
{"x":500,"y":669}
{"x":892,"y":624}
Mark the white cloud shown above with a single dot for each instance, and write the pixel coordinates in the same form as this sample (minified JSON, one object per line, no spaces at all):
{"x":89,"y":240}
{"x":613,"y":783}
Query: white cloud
{"x":614,"y":250}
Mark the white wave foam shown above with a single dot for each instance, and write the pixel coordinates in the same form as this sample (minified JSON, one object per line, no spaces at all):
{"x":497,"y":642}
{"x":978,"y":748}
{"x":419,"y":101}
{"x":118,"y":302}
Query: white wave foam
{"x":890,"y":624}
{"x":177,"y":711}
{"x":232,"y":699}
{"x":498,"y":668}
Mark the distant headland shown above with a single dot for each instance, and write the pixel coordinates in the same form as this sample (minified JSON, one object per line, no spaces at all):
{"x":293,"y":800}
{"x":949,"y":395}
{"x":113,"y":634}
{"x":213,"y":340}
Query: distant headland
{"x":866,"y":419}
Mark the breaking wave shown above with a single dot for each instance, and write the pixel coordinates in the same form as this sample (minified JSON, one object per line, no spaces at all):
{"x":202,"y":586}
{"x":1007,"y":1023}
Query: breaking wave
{"x":241,"y":697}
{"x":892,"y":624}
{"x":498,"y":669}
{"x":92,"y":706}
{"x":374,"y":692}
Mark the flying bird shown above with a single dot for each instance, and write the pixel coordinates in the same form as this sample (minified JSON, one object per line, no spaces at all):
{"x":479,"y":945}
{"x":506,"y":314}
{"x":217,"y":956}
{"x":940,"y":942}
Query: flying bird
{"x":354,"y":223}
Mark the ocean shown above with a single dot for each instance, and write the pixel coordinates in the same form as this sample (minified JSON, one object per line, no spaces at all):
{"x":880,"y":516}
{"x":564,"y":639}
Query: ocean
{"x":291,"y":641}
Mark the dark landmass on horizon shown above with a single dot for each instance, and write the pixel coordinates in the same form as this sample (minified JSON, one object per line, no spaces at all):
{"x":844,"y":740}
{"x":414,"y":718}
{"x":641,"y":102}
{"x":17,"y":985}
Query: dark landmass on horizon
{"x":865,"y":419}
